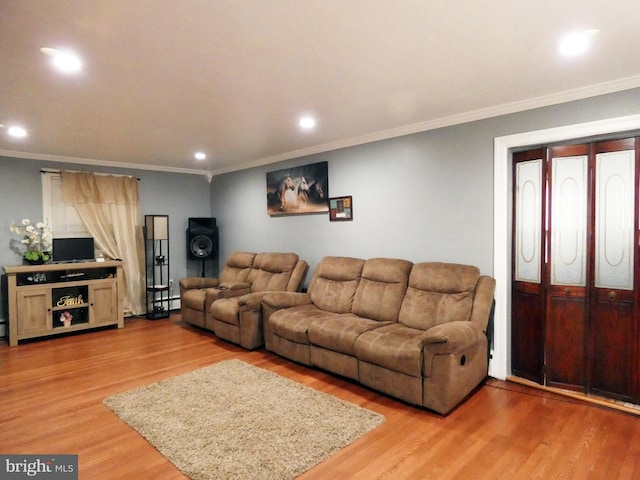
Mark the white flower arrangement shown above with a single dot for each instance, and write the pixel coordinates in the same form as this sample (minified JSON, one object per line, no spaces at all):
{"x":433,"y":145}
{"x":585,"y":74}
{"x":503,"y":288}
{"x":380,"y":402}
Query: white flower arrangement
{"x":38,"y":239}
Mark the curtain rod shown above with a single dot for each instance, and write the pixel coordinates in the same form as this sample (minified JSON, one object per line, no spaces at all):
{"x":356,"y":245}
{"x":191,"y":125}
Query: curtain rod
{"x":55,"y":170}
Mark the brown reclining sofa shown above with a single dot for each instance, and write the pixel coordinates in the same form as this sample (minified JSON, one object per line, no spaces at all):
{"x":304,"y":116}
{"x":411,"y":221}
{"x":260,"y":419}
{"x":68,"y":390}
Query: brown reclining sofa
{"x":416,"y":332}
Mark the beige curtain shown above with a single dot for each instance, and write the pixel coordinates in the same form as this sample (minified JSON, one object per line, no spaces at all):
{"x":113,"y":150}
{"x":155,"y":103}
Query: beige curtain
{"x":110,"y":210}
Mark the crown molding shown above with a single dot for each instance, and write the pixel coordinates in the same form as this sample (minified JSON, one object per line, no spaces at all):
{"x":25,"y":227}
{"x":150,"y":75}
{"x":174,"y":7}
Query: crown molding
{"x":101,"y":163}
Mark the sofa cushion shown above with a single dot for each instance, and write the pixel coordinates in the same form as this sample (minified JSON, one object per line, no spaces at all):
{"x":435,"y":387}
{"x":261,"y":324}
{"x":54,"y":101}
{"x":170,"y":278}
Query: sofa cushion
{"x":381,"y":289}
{"x":438,"y":293}
{"x":334,"y":283}
{"x":293,"y":323}
{"x":395,"y":347}
{"x":272,"y":271}
{"x":339,"y":332}
{"x":226,"y":310}
{"x":194,"y":298}
{"x":237,"y":267}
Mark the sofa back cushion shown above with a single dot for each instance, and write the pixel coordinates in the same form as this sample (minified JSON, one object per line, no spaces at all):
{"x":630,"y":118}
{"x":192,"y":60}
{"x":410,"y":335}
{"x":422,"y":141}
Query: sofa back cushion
{"x":381,"y":289}
{"x":438,"y":293}
{"x":298,"y":276}
{"x":237,"y":267}
{"x":271,"y":272}
{"x":334,"y":283}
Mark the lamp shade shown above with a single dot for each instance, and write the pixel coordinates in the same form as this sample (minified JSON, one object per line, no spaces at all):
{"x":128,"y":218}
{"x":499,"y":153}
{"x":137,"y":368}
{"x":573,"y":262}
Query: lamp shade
{"x":157,"y":227}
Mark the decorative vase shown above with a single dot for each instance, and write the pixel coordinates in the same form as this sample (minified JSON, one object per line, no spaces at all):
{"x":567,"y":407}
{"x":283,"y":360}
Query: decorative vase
{"x":37,"y":261}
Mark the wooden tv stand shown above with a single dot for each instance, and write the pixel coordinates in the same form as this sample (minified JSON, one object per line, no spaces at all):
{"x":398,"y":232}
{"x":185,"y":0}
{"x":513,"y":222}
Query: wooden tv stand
{"x":58,"y":298}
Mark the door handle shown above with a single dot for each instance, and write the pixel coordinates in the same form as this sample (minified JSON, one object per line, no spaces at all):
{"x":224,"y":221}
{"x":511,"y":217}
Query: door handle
{"x":612,"y":296}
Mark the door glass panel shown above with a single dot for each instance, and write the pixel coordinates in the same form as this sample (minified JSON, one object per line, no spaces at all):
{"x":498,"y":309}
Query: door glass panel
{"x":568,"y":220}
{"x":528,"y":220}
{"x":614,"y":220}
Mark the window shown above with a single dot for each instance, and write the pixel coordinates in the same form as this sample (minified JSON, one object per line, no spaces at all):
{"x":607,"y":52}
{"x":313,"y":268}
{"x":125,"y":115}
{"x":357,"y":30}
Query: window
{"x":63,"y":218}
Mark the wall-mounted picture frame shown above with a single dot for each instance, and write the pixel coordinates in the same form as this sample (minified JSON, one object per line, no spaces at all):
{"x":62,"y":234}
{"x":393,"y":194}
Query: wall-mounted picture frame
{"x":340,"y":209}
{"x":298,"y":190}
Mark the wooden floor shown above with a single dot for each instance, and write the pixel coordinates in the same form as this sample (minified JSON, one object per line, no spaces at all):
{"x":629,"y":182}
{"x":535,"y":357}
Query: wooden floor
{"x":51,"y":396}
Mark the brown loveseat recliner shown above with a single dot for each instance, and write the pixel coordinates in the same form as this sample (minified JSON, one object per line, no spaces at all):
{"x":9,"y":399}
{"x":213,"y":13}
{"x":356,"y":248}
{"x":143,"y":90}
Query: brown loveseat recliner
{"x":223,"y":305}
{"x":414,"y":331}
{"x":198,"y":293}
{"x":239,"y":319}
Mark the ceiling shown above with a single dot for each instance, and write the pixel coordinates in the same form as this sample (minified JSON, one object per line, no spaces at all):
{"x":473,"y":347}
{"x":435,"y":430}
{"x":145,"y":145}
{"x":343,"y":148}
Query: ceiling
{"x":163,"y":79}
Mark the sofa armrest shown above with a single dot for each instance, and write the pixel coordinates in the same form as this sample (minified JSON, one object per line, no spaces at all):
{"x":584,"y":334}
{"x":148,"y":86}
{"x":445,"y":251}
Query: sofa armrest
{"x":279,"y":300}
{"x":251,"y":301}
{"x":452,"y":337}
{"x":197,"y":282}
{"x":273,"y":301}
{"x":213,"y":294}
{"x":234,"y":286}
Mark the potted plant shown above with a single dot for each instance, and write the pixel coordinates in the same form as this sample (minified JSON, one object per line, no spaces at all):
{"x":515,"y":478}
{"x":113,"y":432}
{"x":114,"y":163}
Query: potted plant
{"x":38,"y":238}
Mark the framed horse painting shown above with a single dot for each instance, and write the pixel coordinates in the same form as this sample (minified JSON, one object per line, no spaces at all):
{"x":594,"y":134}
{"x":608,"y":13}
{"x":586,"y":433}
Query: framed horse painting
{"x":298,"y":190}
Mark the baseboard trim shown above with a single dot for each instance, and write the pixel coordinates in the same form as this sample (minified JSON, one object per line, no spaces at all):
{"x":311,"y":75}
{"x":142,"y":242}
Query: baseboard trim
{"x":595,"y":400}
{"x":174,"y":303}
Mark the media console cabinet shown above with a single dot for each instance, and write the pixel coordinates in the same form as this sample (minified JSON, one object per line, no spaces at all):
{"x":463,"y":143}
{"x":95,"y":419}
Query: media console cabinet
{"x":58,"y":298}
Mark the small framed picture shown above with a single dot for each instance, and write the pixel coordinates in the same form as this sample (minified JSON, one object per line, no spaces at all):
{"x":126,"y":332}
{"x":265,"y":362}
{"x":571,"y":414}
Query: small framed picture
{"x":340,"y":209}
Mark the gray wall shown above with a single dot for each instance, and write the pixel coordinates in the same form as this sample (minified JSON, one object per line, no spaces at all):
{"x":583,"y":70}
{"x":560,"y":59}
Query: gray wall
{"x":400,"y":207}
{"x":423,"y":197}
{"x":178,"y":195}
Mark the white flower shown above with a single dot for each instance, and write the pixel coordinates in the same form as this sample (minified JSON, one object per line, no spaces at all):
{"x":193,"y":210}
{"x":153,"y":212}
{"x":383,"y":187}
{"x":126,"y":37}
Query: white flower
{"x":38,"y":238}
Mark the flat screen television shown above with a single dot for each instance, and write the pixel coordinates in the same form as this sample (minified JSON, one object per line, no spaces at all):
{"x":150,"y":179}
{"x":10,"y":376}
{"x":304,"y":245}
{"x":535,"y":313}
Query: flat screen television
{"x":66,"y":250}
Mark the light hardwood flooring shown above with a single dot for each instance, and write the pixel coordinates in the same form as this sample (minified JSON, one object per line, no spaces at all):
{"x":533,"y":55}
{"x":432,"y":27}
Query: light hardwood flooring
{"x":51,"y":394}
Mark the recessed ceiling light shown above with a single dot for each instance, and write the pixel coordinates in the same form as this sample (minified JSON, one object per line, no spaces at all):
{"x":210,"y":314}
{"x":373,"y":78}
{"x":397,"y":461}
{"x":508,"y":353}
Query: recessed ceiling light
{"x":576,"y":43}
{"x":200,"y":155}
{"x":17,"y":132}
{"x":63,"y":60}
{"x":307,"y":123}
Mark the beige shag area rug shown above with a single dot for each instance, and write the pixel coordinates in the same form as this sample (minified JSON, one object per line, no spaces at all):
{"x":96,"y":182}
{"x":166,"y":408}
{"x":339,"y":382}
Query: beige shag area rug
{"x":234,"y":421}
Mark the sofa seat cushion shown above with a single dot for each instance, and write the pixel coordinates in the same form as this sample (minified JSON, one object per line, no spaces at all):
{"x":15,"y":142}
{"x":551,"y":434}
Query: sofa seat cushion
{"x":339,"y":332}
{"x":293,"y":323}
{"x":226,"y":310}
{"x":194,"y":299}
{"x":395,"y":347}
